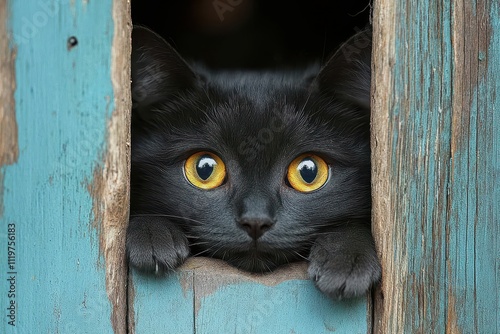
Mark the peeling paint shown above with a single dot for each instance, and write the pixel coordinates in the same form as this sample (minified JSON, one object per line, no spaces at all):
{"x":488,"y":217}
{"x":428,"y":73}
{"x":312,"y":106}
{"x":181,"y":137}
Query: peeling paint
{"x":434,"y":139}
{"x":207,"y":275}
{"x":95,"y":187}
{"x":117,"y":168}
{"x":384,"y":225}
{"x":186,"y":281}
{"x":62,"y":141}
{"x":204,"y":267}
{"x":451,"y":316}
{"x":9,"y":150}
{"x":109,"y":187}
{"x":110,"y":201}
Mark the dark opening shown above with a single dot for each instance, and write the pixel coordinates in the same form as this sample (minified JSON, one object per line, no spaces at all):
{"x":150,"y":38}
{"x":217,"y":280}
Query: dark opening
{"x":253,"y":34}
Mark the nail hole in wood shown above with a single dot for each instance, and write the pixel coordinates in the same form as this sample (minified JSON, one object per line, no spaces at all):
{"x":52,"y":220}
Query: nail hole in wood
{"x":72,"y":42}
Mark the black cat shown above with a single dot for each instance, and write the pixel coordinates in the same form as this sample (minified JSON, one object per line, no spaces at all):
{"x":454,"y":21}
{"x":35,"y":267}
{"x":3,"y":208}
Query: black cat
{"x":258,"y":169}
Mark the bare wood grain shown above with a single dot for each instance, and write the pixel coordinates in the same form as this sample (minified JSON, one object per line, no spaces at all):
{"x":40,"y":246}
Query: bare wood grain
{"x":8,"y":126}
{"x":116,"y":171}
{"x":110,"y":186}
{"x":383,"y":59}
{"x":436,"y":161}
{"x":9,"y":150}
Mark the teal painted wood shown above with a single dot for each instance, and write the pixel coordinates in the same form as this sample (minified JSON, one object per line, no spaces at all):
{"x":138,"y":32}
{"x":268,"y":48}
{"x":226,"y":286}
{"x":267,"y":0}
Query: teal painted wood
{"x":293,"y":306}
{"x":163,"y":305}
{"x":487,"y":171}
{"x":426,"y":111}
{"x":64,"y":98}
{"x":441,"y":132}
{"x":208,"y":296}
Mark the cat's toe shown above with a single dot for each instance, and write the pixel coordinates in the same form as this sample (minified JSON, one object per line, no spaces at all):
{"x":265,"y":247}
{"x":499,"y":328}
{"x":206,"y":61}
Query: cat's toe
{"x":154,"y":247}
{"x":344,"y":276}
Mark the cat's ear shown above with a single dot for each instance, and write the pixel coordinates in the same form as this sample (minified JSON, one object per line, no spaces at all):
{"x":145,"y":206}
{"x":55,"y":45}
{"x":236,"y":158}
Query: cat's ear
{"x":347,"y":74}
{"x":158,"y":71}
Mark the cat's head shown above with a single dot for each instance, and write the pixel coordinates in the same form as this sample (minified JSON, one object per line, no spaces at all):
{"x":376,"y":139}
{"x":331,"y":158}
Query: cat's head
{"x":255,"y":165}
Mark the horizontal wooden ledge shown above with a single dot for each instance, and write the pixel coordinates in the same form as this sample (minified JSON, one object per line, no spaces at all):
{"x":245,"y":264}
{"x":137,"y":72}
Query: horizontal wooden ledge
{"x":207,"y":295}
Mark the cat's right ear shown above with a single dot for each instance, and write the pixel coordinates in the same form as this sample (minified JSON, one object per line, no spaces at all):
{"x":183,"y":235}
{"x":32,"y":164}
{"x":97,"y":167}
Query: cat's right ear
{"x":158,"y":71}
{"x":347,"y":74}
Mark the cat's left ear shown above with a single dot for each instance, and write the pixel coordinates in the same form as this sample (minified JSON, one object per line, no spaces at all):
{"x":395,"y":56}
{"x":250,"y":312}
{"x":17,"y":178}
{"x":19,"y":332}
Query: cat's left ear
{"x":158,"y":71}
{"x":347,"y":75}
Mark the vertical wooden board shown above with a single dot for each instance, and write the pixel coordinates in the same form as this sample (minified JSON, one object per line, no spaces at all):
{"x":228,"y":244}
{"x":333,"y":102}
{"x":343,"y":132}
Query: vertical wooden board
{"x":52,"y":213}
{"x":209,"y":296}
{"x":417,"y":148}
{"x":487,"y":171}
{"x":473,"y":295}
{"x":436,"y":165}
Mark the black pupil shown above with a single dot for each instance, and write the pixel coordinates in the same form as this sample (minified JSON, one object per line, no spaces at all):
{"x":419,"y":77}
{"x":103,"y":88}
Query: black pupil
{"x":308,"y":170}
{"x":205,"y":167}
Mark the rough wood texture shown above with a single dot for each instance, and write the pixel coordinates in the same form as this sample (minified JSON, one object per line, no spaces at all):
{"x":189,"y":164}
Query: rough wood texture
{"x":436,"y":165}
{"x":9,"y":150}
{"x":66,"y":196}
{"x":209,"y":296}
{"x":115,"y":174}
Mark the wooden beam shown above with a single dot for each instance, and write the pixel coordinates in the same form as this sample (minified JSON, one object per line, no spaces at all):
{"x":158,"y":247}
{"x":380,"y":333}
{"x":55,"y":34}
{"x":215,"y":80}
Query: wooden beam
{"x":436,"y":165}
{"x":209,"y":296}
{"x":64,"y":165}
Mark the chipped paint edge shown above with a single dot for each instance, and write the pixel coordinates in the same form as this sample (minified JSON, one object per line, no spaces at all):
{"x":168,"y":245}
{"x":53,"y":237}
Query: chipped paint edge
{"x":208,"y":275}
{"x":109,"y":188}
{"x":116,"y":173}
{"x":9,"y":150}
{"x":204,"y":266}
{"x":213,"y":274}
{"x":385,"y":19}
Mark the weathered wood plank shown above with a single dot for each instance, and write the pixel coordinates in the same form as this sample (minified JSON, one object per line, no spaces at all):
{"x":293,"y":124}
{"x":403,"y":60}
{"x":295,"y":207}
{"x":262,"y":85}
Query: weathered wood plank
{"x":487,"y":171}
{"x":114,"y":177}
{"x":65,"y":198}
{"x":436,"y":164}
{"x":9,"y":150}
{"x":161,"y":305}
{"x":209,"y":296}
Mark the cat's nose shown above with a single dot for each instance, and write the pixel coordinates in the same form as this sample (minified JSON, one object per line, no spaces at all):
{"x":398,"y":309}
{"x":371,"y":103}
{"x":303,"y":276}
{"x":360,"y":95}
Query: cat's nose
{"x":256,"y":227}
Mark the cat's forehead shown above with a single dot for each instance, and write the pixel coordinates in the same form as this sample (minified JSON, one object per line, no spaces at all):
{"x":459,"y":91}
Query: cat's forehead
{"x":260,"y":122}
{"x":261,"y":91}
{"x":260,"y":129}
{"x":253,"y":106}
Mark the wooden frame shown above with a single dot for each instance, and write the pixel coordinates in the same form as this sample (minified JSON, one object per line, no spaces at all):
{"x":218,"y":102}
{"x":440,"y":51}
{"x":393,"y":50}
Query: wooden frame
{"x":436,"y":160}
{"x":64,"y":166}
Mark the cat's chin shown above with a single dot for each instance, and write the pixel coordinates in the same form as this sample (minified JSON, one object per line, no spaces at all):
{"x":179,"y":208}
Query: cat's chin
{"x":255,"y":258}
{"x":257,"y":262}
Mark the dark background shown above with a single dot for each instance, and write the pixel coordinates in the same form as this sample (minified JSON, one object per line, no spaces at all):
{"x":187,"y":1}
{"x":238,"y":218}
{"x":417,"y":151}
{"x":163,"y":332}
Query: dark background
{"x":253,"y":34}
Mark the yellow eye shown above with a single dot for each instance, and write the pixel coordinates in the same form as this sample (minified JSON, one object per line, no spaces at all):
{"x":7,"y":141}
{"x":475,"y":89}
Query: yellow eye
{"x":307,"y":172}
{"x":205,"y":170}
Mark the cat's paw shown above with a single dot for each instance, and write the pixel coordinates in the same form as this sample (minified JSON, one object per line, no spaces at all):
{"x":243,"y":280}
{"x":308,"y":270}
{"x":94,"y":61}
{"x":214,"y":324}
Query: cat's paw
{"x":155,"y":245}
{"x":342,"y":273}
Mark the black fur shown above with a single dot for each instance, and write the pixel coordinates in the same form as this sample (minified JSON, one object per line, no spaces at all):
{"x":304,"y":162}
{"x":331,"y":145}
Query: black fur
{"x":257,"y":123}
